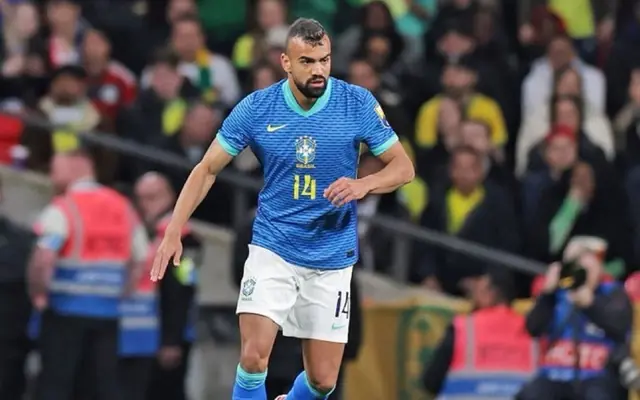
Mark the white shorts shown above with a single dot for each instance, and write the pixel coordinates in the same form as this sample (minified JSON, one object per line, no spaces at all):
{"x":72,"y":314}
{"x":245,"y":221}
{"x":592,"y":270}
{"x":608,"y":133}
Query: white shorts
{"x":306,"y":303}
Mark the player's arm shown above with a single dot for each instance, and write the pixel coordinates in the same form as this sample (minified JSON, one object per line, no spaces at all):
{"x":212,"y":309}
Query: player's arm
{"x":383,"y":143}
{"x":397,"y":171}
{"x":232,"y":138}
{"x":198,"y":185}
{"x":52,"y":231}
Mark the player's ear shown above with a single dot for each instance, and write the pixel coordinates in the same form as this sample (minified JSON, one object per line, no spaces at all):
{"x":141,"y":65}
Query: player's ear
{"x":285,"y":62}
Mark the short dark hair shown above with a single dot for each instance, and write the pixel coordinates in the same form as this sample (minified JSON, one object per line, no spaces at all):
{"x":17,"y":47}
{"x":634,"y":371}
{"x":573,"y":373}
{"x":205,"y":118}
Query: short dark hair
{"x":165,"y":56}
{"x":309,"y":30}
{"x":503,"y":283}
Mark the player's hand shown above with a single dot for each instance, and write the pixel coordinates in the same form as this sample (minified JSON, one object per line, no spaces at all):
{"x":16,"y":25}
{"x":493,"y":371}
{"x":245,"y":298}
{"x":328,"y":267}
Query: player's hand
{"x":345,"y":190}
{"x":170,"y":249}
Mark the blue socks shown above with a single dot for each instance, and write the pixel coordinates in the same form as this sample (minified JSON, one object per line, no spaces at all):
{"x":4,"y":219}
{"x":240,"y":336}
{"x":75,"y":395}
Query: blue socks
{"x":249,"y":386}
{"x":303,"y":390}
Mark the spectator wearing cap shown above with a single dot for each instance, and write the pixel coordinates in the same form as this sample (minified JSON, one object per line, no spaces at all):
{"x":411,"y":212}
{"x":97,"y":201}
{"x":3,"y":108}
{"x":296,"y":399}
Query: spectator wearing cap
{"x":569,"y":111}
{"x":111,"y":85}
{"x":539,"y":83}
{"x":432,"y":130}
{"x":466,"y":206}
{"x":595,"y":124}
{"x":507,"y":357}
{"x":265,"y":16}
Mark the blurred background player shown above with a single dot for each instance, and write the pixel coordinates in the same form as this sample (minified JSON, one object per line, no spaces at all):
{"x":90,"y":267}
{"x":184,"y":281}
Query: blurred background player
{"x":304,"y":244}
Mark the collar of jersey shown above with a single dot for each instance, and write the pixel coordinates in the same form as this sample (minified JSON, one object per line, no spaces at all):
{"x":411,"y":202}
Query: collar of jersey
{"x":291,"y":101}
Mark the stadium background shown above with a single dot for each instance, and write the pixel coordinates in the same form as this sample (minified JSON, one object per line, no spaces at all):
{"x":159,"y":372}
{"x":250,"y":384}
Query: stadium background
{"x":401,"y":61}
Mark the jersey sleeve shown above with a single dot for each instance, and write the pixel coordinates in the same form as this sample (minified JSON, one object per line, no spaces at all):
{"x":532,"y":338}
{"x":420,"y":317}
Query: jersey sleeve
{"x":51,"y":228}
{"x":234,"y":135}
{"x":376,"y":132}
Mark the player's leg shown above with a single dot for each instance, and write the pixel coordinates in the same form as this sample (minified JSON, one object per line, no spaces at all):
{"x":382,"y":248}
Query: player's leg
{"x":321,"y":318}
{"x":268,"y":292}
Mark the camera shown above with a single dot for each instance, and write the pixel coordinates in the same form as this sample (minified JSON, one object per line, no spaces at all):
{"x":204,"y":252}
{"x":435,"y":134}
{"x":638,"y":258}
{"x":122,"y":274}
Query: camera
{"x":572,"y":275}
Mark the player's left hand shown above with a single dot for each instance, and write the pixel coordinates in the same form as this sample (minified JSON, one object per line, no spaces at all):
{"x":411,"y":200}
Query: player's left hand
{"x":345,"y":190}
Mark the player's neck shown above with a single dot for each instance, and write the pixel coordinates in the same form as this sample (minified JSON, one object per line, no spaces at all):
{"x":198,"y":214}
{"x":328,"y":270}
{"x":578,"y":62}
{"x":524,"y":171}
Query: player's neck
{"x":302,"y":100}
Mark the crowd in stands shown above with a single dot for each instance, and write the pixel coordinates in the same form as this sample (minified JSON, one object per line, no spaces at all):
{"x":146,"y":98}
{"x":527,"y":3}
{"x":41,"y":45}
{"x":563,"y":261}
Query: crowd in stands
{"x":521,"y":116}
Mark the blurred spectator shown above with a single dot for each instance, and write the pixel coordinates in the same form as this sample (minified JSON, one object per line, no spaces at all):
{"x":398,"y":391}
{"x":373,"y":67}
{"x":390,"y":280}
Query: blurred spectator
{"x":159,"y":23}
{"x":590,"y":319}
{"x":15,"y":307}
{"x":534,"y":37}
{"x":212,"y":74}
{"x":63,"y":45}
{"x":560,"y":154}
{"x":578,"y":204}
{"x":160,"y":109}
{"x":262,"y":76}
{"x":275,"y":43}
{"x":594,"y":123}
{"x":176,"y":292}
{"x":508,"y":356}
{"x":111,"y":85}
{"x":264,"y":16}
{"x":375,"y":35}
{"x":491,"y":39}
{"x":588,"y":22}
{"x":625,"y":125}
{"x":459,"y":12}
{"x":539,"y":83}
{"x":68,"y":107}
{"x":414,"y":22}
{"x":459,"y":83}
{"x":470,"y":209}
{"x":20,"y":22}
{"x":363,"y":73}
{"x":200,"y":125}
{"x":476,"y":134}
{"x":568,"y":111}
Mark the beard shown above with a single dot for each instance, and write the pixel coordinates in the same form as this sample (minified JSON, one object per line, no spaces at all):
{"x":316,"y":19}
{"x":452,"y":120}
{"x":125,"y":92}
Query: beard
{"x":311,"y":92}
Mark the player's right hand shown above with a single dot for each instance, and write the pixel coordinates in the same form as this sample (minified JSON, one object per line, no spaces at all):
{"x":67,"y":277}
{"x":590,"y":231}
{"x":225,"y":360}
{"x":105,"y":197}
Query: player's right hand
{"x":170,"y":249}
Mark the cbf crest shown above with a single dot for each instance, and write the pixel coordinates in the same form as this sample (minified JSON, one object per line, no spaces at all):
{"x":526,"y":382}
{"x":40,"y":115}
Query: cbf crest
{"x":381,"y":116}
{"x":247,"y":287}
{"x":305,"y":152}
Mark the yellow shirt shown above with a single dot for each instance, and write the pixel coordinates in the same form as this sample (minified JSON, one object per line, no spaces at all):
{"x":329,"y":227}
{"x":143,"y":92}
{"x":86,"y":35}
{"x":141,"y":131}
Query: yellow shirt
{"x":480,"y":107}
{"x":578,"y":15}
{"x":459,"y":207}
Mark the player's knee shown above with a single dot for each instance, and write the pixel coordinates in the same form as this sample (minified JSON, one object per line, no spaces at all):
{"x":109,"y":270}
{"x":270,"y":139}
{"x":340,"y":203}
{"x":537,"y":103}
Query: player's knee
{"x":323,"y":382}
{"x":253,"y":360}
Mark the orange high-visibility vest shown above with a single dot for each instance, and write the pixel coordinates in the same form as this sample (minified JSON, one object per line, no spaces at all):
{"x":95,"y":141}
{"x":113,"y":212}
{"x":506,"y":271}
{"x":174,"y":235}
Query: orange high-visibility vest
{"x":493,"y":356}
{"x":90,"y":272}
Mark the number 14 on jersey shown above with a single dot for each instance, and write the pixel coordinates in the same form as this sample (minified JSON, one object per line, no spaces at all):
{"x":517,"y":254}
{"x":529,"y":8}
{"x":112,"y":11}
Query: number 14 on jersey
{"x":304,"y":186}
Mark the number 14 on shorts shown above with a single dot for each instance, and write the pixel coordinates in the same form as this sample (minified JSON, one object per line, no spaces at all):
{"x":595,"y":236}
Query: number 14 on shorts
{"x":343,"y":307}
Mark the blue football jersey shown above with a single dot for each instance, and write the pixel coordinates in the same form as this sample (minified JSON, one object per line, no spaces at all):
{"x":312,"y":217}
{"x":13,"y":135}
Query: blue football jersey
{"x":302,"y":152}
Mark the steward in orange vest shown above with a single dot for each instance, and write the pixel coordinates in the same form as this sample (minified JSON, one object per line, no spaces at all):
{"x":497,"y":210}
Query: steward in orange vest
{"x":91,"y":247}
{"x":487,"y":354}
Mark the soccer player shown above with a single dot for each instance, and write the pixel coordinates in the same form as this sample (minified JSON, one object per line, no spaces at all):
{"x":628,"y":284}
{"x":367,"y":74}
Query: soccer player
{"x":306,"y":131}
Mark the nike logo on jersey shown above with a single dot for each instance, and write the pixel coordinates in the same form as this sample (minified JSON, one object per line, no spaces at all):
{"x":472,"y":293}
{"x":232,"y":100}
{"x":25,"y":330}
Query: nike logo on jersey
{"x":335,"y":327}
{"x":273,"y":128}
